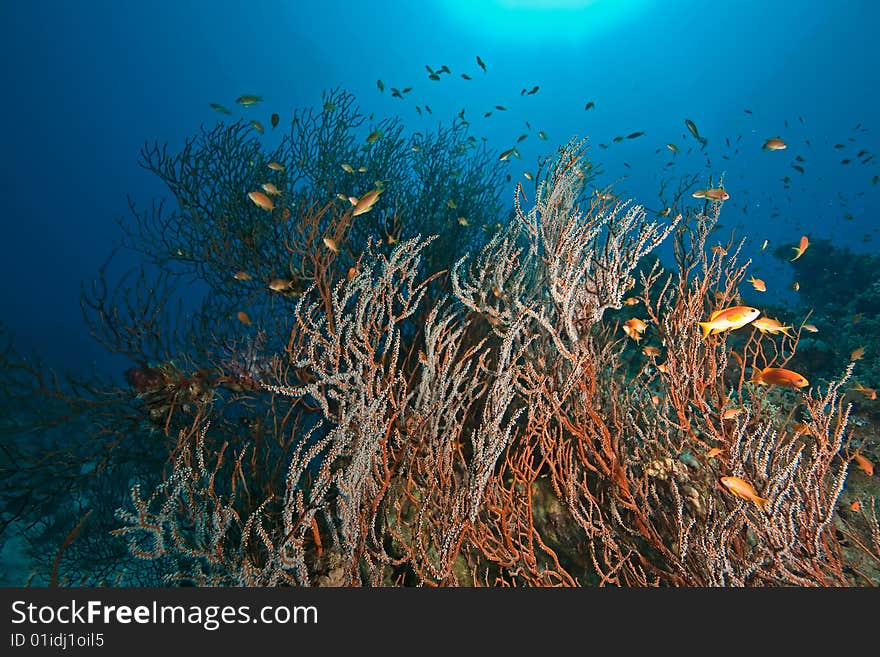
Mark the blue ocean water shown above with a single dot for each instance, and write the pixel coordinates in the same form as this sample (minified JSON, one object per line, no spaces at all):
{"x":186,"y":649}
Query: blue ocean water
{"x":87,"y":83}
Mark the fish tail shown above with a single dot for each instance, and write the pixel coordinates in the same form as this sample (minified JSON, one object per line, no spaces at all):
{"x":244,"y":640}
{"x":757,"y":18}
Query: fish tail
{"x":707,"y":329}
{"x":761,"y":502}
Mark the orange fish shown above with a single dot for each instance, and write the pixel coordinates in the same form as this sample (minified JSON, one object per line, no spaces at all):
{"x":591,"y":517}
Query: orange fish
{"x":243,"y":318}
{"x":800,"y":427}
{"x":778,"y":376}
{"x":715,"y":194}
{"x":729,"y":318}
{"x":768,"y":325}
{"x":651,"y":351}
{"x":811,"y":328}
{"x":275,"y":166}
{"x":799,"y":250}
{"x":280,"y":284}
{"x":270,"y":188}
{"x":857,"y":353}
{"x":774,"y":144}
{"x":864,"y":464}
{"x":352,"y":272}
{"x":630,"y":301}
{"x":715,"y":451}
{"x":744,"y":490}
{"x":870,"y":393}
{"x":261,"y":201}
{"x":634,"y":328}
{"x":856,"y":506}
{"x":730,"y":413}
{"x":758,"y":284}
{"x":366,"y":202}
{"x":330,"y":243}
{"x":242,"y":276}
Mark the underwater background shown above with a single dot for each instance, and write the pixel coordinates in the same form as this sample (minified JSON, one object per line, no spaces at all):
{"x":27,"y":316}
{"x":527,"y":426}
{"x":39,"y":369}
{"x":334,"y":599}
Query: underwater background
{"x":89,"y":83}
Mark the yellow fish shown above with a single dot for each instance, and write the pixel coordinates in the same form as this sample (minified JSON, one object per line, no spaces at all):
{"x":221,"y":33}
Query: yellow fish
{"x":767,"y":325}
{"x":730,"y":318}
{"x":261,"y":201}
{"x":744,"y":490}
{"x":366,"y":202}
{"x":758,"y":284}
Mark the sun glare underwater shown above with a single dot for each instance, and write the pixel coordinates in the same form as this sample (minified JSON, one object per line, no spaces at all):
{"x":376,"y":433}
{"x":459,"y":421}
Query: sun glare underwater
{"x":502,"y":293}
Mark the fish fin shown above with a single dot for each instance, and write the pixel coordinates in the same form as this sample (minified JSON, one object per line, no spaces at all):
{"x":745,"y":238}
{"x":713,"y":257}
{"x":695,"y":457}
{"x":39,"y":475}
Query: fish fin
{"x":707,"y":328}
{"x":761,"y":502}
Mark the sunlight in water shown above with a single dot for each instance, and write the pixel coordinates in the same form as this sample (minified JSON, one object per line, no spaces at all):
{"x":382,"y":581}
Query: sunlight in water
{"x":542,"y":20}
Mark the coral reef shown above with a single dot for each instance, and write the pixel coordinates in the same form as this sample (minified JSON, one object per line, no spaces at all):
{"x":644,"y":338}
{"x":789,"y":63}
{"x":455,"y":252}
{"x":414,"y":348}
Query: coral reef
{"x":425,"y":401}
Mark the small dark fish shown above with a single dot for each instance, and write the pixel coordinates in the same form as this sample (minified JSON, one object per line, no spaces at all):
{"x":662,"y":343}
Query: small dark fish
{"x":875,"y":180}
{"x":419,"y":110}
{"x":428,"y":110}
{"x":487,"y":114}
{"x":799,"y":158}
{"x":444,"y":69}
{"x":867,"y":159}
{"x":797,"y":167}
{"x":533,"y":90}
{"x":406,"y":90}
{"x":839,"y":145}
{"x":429,"y":69}
{"x":481,"y":63}
{"x":461,"y":114}
{"x":633,"y":135}
{"x":800,"y":118}
{"x":747,"y":111}
{"x":501,"y":107}
{"x":589,"y":105}
{"x":274,"y":119}
{"x":466,"y":76}
{"x":248,"y":100}
{"x":618,"y":139}
{"x":861,"y":153}
{"x":381,"y":85}
{"x":520,"y":138}
{"x":395,"y":93}
{"x":220,"y":108}
{"x":692,"y":127}
{"x":845,"y":161}
{"x":433,"y":76}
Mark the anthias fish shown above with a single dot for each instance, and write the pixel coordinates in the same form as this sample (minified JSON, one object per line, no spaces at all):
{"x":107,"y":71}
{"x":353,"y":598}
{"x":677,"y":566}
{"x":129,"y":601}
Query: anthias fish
{"x":744,"y":490}
{"x":727,"y":319}
{"x":779,"y":376}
